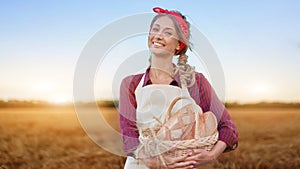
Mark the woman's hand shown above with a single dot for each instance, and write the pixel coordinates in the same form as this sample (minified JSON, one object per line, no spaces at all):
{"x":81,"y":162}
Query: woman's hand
{"x":191,"y":160}
{"x":179,"y":162}
{"x":202,"y":157}
{"x":151,"y":162}
{"x":170,"y":162}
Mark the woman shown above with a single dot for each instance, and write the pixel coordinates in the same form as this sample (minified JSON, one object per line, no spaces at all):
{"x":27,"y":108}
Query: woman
{"x":147,"y":95}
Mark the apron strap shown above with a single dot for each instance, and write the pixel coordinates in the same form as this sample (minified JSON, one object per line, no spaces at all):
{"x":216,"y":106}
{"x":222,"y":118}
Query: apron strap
{"x":140,"y":85}
{"x":185,"y":91}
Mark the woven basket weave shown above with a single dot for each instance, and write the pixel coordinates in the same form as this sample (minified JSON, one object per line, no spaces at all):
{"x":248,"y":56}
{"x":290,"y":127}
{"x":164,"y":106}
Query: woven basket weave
{"x":187,"y":129}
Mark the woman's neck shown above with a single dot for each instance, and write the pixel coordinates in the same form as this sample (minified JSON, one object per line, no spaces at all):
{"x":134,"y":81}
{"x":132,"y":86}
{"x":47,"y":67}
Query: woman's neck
{"x":161,"y":69}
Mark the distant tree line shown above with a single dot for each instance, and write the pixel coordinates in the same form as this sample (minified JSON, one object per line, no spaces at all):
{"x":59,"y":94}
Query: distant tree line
{"x":263,"y":105}
{"x":39,"y":103}
{"x":114,"y":103}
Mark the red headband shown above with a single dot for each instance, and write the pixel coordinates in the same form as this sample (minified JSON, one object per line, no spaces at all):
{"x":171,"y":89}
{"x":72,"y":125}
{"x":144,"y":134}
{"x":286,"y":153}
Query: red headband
{"x":183,"y":25}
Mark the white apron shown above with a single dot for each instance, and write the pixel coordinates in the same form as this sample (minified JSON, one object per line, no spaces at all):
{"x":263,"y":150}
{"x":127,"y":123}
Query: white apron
{"x":153,"y":101}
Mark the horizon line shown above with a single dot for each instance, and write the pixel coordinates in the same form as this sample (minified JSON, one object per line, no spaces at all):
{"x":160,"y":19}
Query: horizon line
{"x":111,"y":100}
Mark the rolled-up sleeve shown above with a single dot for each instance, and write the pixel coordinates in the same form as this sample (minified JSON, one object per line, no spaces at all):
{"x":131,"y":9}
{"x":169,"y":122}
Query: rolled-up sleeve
{"x":127,"y":116}
{"x":209,"y":101}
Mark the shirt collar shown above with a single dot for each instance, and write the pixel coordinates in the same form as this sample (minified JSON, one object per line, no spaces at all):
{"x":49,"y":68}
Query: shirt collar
{"x":147,"y":79}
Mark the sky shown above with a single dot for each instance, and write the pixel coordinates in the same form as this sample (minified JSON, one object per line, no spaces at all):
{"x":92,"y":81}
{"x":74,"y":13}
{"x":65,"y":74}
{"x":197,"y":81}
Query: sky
{"x":257,"y":44}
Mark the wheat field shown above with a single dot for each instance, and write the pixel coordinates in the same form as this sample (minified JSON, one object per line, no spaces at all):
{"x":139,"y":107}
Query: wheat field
{"x":52,"y":137}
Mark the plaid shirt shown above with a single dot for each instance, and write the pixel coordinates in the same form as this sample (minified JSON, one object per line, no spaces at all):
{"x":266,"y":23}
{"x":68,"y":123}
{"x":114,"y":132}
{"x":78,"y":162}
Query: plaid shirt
{"x":202,"y":92}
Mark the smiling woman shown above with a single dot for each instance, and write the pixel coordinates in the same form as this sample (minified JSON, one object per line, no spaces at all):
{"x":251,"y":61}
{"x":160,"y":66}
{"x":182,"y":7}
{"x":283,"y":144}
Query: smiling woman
{"x":147,"y":100}
{"x":158,"y":30}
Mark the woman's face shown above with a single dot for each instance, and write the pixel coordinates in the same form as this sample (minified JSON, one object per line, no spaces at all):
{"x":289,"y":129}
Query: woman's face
{"x":163,"y":38}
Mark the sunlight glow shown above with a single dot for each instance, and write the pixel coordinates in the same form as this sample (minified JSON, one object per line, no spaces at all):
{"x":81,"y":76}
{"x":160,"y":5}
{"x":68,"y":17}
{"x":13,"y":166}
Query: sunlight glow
{"x":259,"y":88}
{"x":42,"y":86}
{"x":59,"y":99}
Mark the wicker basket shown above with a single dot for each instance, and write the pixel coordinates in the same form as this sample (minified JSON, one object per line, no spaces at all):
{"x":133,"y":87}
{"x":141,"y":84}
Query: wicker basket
{"x":187,"y":129}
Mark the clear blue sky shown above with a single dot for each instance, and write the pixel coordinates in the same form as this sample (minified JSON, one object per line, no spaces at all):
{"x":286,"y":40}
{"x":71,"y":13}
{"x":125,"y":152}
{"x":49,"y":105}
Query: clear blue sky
{"x":257,"y":42}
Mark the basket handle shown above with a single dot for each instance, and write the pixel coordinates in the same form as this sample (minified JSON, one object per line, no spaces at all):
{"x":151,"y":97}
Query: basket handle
{"x":174,"y":102}
{"x":200,"y":114}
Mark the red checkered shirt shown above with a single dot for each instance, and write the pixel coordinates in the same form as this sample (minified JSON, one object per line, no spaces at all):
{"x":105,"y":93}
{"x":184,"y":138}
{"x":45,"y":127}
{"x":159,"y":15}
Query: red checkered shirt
{"x":202,"y":92}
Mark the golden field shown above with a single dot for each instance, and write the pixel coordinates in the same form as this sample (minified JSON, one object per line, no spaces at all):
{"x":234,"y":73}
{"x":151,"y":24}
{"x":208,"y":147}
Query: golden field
{"x":52,"y":137}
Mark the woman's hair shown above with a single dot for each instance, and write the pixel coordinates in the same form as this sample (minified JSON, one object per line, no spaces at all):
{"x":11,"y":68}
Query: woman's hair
{"x":186,"y":71}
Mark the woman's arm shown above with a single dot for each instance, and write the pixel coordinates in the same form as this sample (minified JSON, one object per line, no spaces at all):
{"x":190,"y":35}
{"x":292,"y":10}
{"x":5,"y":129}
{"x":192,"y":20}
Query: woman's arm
{"x":209,"y":101}
{"x":127,"y":117}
